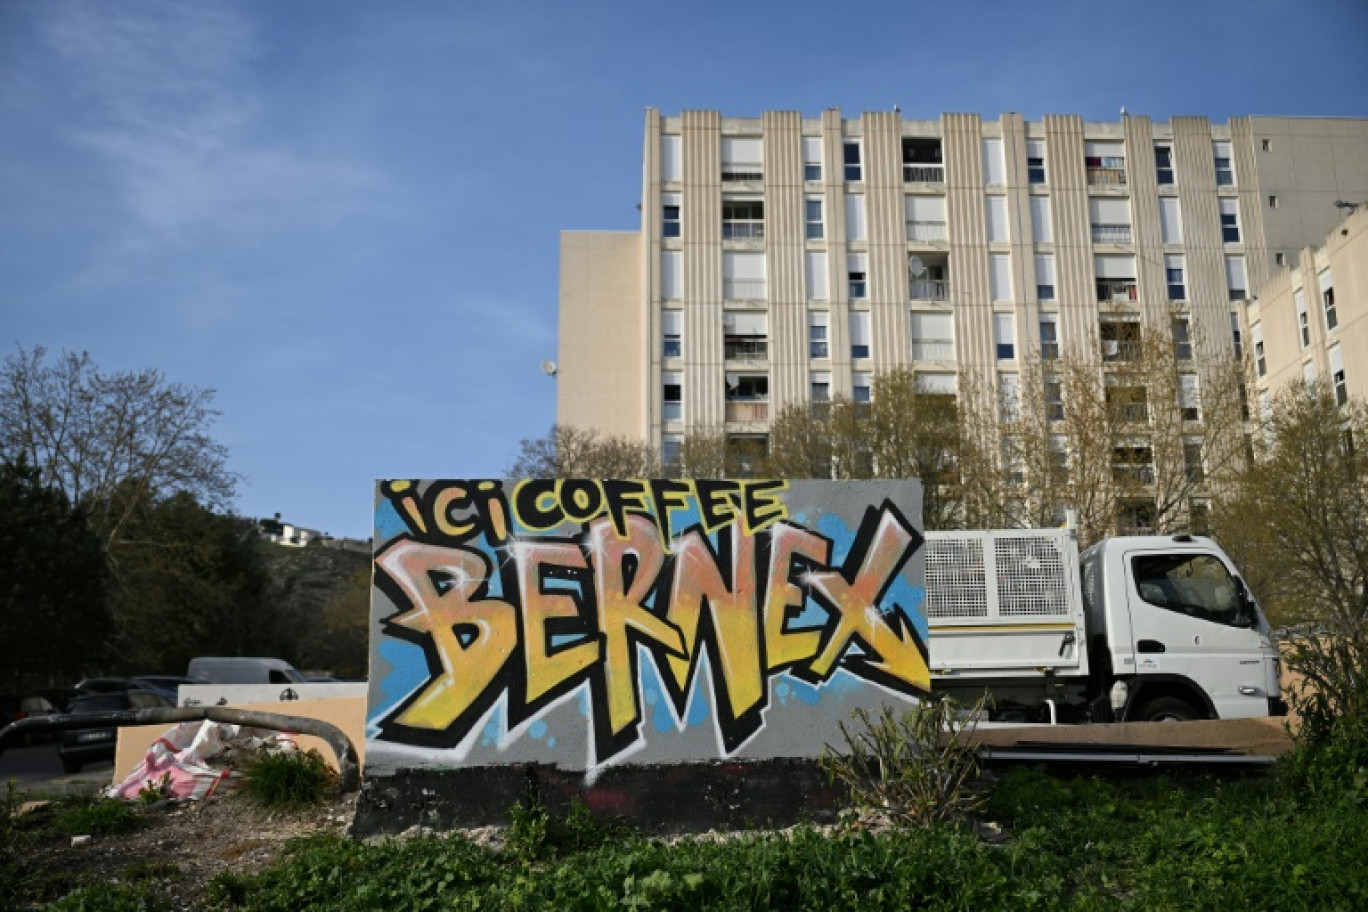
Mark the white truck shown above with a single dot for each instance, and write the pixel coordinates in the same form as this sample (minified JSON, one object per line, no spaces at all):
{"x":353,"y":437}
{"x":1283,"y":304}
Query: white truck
{"x":1143,"y":628}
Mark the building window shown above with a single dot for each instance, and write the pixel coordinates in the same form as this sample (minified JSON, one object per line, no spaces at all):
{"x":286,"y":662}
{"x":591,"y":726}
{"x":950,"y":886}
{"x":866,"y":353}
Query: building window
{"x":1009,"y":396}
{"x":859,"y":333}
{"x":855,"y":216}
{"x":671,"y":446}
{"x":743,"y":220}
{"x":1279,"y":259}
{"x":812,"y":213}
{"x":1133,"y":464}
{"x":994,"y":164}
{"x":1035,"y":161}
{"x":1260,"y":364}
{"x":1128,"y":403}
{"x":1045,"y":277}
{"x":1337,"y":374}
{"x":1120,"y":340}
{"x":862,"y":386}
{"x":1327,"y":288}
{"x":1225,"y":171}
{"x":671,"y":168}
{"x":1000,"y":276}
{"x":996,"y":218}
{"x":817,"y":334}
{"x":812,"y":158}
{"x":672,"y":395}
{"x":743,"y":276}
{"x":671,"y":275}
{"x":1115,"y":278}
{"x":1303,"y":318}
{"x":671,"y":328}
{"x":1237,"y":337}
{"x":853,"y":171}
{"x":1111,"y":219}
{"x":1266,"y":145}
{"x":1049,"y":337}
{"x":1192,"y":462}
{"x":1170,"y":220}
{"x":747,"y":397}
{"x":1004,"y":335}
{"x":1163,"y":165}
{"x":743,"y":158}
{"x":745,"y":335}
{"x":1237,"y":280}
{"x":922,"y":163}
{"x":933,"y":337}
{"x":925,"y":218}
{"x":820,"y":387}
{"x":1230,"y":221}
{"x":1189,"y":397}
{"x":1135,"y":517}
{"x":669,"y":215}
{"x":1272,"y":201}
{"x":1105,"y":163}
{"x":1182,"y":339}
{"x":1173,"y":276}
{"x":815,"y":274}
{"x":1054,"y":399}
{"x":1199,"y":517}
{"x":857,"y":268}
{"x":1042,"y":227}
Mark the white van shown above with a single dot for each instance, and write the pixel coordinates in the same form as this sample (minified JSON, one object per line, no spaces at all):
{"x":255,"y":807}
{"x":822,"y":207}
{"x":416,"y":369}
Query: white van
{"x":242,"y":670}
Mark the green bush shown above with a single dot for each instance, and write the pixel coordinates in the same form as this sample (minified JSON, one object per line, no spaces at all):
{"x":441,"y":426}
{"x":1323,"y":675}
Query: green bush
{"x":917,"y":768}
{"x":535,"y":833}
{"x":278,"y":778}
{"x":109,"y":898}
{"x":93,"y":815}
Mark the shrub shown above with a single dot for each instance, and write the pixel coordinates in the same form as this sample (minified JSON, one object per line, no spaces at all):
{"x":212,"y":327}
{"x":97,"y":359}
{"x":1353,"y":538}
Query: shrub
{"x":278,"y":778}
{"x":93,"y":815}
{"x":917,"y":768}
{"x":1332,"y":700}
{"x":535,"y":833}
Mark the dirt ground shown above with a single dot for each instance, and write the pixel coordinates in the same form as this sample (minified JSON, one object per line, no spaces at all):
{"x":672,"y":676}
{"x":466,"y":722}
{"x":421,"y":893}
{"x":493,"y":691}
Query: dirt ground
{"x":179,"y":846}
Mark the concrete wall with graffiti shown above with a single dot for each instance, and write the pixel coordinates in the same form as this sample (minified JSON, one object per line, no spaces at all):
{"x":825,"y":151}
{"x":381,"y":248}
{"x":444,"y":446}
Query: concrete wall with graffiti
{"x":585,"y":623}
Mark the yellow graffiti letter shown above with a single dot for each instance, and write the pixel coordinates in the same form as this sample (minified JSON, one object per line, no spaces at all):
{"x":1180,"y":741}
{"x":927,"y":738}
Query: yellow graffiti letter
{"x":784,"y":647}
{"x":546,"y":669}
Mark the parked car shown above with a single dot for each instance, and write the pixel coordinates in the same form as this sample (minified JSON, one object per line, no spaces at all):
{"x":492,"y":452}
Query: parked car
{"x":243,"y":670}
{"x":13,"y":708}
{"x":80,"y":746}
{"x":166,"y":685}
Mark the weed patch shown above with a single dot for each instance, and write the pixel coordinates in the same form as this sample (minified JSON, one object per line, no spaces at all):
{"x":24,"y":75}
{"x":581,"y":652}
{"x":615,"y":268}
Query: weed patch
{"x":277,"y":779}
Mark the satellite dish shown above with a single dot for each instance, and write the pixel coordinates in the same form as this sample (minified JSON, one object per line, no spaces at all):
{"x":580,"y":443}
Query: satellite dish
{"x":549,"y":368}
{"x":733,"y":381}
{"x":916,"y":266}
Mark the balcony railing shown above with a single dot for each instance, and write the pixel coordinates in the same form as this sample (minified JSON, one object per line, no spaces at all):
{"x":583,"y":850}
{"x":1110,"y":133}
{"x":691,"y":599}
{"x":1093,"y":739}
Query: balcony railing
{"x":742,"y":172}
{"x":1116,"y":290}
{"x":930,"y":290}
{"x":1120,"y":350}
{"x":1111,"y":234}
{"x":933,"y":349}
{"x":1133,"y":474}
{"x":743,"y":230}
{"x":927,"y":232}
{"x":738,"y":410}
{"x":1106,"y":177}
{"x":746,"y":349}
{"x":743,"y":289}
{"x":923,"y":174}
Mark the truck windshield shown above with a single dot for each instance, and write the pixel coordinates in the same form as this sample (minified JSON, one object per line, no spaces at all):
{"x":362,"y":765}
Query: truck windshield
{"x":1194,"y":584}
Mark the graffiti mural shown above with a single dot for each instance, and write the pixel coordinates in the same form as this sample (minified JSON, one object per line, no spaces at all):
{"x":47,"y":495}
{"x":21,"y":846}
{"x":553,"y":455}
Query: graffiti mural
{"x":584,"y":622}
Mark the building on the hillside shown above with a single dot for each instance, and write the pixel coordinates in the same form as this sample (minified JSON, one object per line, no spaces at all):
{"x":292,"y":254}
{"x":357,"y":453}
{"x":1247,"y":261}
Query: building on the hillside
{"x":1310,"y":320}
{"x":283,"y":533}
{"x":785,"y":259}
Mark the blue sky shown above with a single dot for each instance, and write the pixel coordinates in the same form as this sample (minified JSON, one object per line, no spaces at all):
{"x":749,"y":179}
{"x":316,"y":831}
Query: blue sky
{"x":343,"y":216}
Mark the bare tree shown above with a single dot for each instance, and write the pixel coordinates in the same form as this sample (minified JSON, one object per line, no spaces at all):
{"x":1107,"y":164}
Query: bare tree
{"x":110,"y":441}
{"x":569,"y":452}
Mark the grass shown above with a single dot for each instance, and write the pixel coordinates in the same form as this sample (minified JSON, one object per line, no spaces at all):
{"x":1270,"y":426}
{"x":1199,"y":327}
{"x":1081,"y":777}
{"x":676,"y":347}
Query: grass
{"x":1194,"y":842}
{"x":277,"y":779}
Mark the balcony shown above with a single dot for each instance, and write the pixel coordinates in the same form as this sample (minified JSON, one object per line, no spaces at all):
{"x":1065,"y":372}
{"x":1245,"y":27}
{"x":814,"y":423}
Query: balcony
{"x":1120,"y":350}
{"x":1111,"y":234}
{"x":743,"y":289}
{"x":745,"y":348}
{"x":933,"y":349}
{"x":927,"y":232}
{"x":930,"y":289}
{"x":1133,"y":474}
{"x":744,"y":410}
{"x":743,"y":230}
{"x":740,"y":171}
{"x":923,"y":174}
{"x":1117,"y":290}
{"x":1102,"y":176}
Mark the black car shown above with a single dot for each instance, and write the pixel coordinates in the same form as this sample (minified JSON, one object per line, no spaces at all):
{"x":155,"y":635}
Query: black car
{"x":80,"y":746}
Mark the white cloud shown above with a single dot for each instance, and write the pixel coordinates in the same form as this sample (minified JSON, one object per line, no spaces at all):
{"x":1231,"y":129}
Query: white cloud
{"x":175,"y":111}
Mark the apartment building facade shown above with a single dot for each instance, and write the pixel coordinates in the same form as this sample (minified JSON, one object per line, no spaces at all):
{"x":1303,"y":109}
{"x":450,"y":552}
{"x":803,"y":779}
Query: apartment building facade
{"x":786,"y":259}
{"x":1309,"y":321}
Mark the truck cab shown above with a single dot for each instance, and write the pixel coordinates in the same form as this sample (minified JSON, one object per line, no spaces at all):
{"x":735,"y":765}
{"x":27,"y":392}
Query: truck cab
{"x":1174,"y":633}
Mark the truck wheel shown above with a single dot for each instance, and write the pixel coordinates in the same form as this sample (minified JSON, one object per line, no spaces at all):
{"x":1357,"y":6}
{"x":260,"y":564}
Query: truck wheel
{"x":1167,"y":709}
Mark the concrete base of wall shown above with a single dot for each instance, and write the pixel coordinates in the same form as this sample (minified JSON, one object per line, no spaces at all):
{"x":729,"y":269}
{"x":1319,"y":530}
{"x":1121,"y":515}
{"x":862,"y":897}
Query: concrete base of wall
{"x":676,"y":798}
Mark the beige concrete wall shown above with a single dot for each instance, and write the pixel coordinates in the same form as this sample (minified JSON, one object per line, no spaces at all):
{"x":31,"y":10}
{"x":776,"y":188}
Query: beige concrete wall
{"x":604,"y":345}
{"x":347,"y":714}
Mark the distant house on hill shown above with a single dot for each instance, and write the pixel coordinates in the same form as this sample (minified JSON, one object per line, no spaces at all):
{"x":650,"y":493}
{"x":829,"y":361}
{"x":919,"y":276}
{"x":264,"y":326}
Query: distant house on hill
{"x":283,"y":533}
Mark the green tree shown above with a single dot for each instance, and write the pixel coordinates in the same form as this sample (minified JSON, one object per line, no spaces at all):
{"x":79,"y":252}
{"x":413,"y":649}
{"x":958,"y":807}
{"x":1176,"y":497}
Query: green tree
{"x":53,"y":613}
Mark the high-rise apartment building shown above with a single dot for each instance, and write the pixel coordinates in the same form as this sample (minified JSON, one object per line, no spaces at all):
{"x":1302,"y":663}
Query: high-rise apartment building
{"x":787,"y":259}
